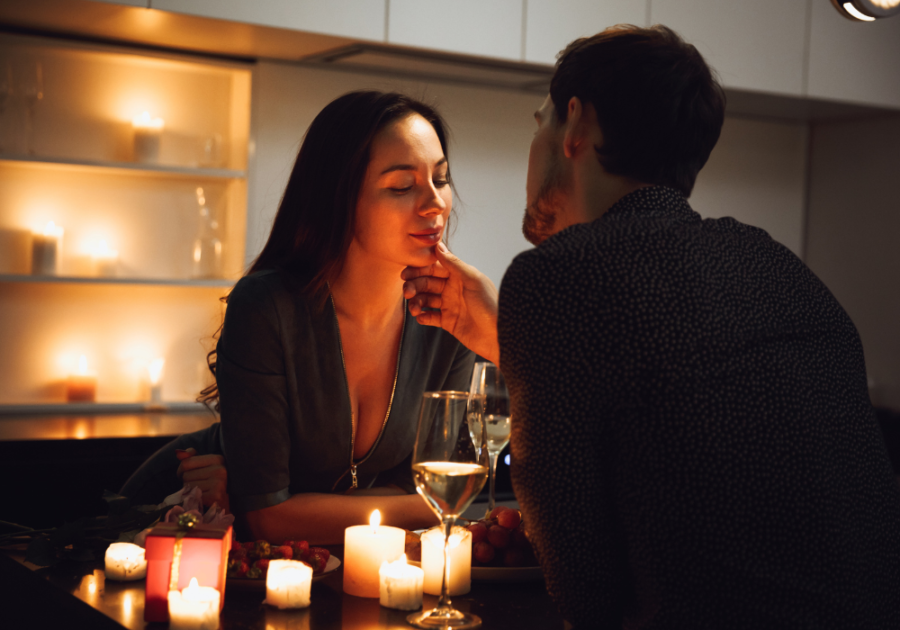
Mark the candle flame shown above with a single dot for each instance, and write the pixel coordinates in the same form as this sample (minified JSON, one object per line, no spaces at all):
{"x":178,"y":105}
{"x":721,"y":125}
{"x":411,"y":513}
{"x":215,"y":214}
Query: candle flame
{"x":375,"y":521}
{"x":53,"y":230}
{"x":193,"y":590}
{"x":144,"y":121}
{"x":402,"y":559}
{"x":82,"y":365}
{"x":155,"y":369}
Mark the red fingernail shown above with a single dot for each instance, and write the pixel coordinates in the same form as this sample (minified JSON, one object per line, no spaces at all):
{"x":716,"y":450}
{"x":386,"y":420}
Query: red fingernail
{"x":180,"y":450}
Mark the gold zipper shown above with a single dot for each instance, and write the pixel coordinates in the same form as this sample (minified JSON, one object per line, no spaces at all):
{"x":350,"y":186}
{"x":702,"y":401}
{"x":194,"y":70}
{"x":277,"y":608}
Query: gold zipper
{"x":354,"y":464}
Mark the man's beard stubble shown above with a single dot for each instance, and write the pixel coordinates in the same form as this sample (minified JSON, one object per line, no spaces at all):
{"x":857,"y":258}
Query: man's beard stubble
{"x":539,"y":222}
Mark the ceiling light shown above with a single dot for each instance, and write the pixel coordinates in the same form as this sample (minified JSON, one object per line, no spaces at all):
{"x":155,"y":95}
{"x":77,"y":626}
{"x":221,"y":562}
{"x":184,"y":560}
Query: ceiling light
{"x":866,"y":10}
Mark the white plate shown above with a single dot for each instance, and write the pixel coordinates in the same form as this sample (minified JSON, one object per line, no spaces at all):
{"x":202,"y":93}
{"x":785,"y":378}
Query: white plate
{"x":259,"y":584}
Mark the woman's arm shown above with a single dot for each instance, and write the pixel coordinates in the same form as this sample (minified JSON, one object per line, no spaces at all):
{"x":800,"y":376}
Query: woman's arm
{"x":322,"y":518}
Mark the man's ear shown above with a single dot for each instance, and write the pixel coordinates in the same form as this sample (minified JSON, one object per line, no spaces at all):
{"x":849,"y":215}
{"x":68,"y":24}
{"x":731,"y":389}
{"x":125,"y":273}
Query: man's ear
{"x":575,"y":136}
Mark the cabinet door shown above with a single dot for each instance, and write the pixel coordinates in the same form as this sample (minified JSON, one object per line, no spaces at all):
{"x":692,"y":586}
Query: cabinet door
{"x":362,"y":19}
{"x":551,"y":24}
{"x":854,"y":61}
{"x":755,"y":45}
{"x":474,"y":27}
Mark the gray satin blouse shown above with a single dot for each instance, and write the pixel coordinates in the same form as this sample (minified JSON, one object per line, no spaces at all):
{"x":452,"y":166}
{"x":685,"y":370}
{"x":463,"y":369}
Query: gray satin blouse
{"x":285,"y":407}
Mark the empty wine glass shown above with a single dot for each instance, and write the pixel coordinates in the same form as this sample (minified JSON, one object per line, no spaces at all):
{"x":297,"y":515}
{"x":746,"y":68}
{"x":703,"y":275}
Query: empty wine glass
{"x":449,"y":471}
{"x":489,"y":406}
{"x":33,"y":90}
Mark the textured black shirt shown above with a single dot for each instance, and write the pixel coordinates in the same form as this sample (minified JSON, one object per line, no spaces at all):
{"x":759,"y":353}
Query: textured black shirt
{"x":693,"y":444}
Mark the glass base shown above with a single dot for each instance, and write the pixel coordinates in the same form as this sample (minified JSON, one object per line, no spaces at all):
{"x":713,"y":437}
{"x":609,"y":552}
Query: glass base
{"x":447,"y":618}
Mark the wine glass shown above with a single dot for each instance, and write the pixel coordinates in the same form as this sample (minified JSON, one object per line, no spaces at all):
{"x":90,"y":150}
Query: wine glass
{"x":33,"y":89}
{"x":489,"y":405}
{"x":449,"y":471}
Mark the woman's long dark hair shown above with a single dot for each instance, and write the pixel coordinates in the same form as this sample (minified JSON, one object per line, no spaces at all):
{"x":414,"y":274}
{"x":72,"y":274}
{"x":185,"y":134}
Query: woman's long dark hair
{"x":315,"y":222}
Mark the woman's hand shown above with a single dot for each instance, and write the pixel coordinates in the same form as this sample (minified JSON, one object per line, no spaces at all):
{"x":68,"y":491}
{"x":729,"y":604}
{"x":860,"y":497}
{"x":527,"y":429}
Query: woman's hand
{"x":464,"y":299}
{"x":208,"y":473}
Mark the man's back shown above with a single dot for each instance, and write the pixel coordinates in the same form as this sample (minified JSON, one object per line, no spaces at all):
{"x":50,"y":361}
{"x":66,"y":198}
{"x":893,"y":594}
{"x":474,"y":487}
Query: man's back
{"x":693,"y":438}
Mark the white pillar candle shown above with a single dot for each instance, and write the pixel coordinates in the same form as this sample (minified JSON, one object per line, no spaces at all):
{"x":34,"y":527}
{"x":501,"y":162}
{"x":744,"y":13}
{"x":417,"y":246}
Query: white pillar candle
{"x":460,"y":560}
{"x":105,"y":260}
{"x":125,"y":562}
{"x":45,"y":251}
{"x":288,"y":583}
{"x":365,"y":548}
{"x":194,"y":608}
{"x":154,"y":371}
{"x":401,"y":585}
{"x":147,"y":134}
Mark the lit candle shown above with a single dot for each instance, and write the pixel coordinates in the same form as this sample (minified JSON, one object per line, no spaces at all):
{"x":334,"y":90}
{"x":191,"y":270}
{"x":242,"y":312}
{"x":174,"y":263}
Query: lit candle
{"x":125,"y":562}
{"x":460,"y":560}
{"x":45,"y":250}
{"x":147,"y":134}
{"x":154,"y":370}
{"x":365,"y":548}
{"x":401,"y":585}
{"x":82,"y":387}
{"x":105,"y":260}
{"x":194,"y":608}
{"x":288,"y":583}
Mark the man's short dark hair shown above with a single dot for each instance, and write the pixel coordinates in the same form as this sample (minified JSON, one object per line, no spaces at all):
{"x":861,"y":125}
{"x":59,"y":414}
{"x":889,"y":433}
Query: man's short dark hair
{"x":659,"y":105}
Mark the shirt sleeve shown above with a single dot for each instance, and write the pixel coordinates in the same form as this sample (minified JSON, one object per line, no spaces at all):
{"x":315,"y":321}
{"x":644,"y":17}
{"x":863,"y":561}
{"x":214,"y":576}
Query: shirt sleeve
{"x":558,"y":466}
{"x":250,"y":373}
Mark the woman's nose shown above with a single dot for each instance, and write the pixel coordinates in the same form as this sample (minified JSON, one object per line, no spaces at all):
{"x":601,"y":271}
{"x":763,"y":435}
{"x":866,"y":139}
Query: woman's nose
{"x":433,"y":203}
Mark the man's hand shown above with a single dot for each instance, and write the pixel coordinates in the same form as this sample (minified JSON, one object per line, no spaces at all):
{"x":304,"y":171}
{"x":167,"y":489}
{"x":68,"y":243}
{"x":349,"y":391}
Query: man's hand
{"x":463,"y":301}
{"x":208,"y":473}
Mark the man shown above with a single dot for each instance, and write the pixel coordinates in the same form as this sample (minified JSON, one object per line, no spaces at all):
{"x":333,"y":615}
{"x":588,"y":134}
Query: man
{"x":693,"y":444}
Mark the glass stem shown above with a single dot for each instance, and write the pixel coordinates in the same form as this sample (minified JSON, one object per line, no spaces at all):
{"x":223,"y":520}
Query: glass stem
{"x":491,"y":499}
{"x":444,"y":603}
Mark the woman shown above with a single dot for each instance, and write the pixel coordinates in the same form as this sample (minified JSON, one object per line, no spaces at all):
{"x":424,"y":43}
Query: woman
{"x":320,"y":369}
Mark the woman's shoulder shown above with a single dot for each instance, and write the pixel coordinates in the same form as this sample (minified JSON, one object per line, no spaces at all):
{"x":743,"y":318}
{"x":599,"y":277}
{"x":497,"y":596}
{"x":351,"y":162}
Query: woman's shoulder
{"x":274,"y":288}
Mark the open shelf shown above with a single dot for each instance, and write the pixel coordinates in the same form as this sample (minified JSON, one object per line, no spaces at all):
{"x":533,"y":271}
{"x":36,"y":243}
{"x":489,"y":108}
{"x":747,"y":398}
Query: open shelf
{"x":127,"y":167}
{"x":90,"y":409}
{"x":175,"y":282}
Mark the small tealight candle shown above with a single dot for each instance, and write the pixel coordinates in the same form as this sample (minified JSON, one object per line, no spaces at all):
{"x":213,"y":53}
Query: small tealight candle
{"x":125,"y":562}
{"x":154,"y":371}
{"x":82,"y":387}
{"x":105,"y":260}
{"x":365,"y":548}
{"x":194,"y":608}
{"x":401,"y":585}
{"x":460,"y":560}
{"x":288,"y":583}
{"x":147,"y":134}
{"x":45,"y":250}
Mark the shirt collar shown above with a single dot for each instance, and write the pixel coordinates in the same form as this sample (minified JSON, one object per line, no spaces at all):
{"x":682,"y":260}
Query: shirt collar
{"x":658,"y":201}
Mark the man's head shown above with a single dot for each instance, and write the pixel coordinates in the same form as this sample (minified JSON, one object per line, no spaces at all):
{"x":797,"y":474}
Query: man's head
{"x":657,"y":107}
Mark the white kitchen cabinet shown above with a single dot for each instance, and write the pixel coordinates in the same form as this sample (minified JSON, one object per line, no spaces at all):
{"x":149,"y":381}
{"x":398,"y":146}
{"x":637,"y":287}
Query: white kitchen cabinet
{"x":551,"y":24}
{"x":854,"y":61}
{"x":756,"y":45}
{"x":360,"y":19}
{"x":473,"y":27}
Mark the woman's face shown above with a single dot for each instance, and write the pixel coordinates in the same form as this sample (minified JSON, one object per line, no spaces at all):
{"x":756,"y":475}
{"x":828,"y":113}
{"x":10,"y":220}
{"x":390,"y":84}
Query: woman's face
{"x":405,"y":198}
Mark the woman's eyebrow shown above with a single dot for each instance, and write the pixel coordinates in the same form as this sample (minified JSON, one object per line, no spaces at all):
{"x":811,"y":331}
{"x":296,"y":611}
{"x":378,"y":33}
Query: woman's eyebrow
{"x":409,"y":167}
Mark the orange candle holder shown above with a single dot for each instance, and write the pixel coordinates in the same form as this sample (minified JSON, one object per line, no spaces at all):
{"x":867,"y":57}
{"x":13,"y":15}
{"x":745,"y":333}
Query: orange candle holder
{"x":203,"y":555}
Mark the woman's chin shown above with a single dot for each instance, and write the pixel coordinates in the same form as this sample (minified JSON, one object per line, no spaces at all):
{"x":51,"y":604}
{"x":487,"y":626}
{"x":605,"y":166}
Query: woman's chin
{"x":422,"y":258}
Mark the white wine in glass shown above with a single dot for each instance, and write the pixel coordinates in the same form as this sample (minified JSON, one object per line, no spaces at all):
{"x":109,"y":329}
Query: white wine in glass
{"x":449,"y":470}
{"x":489,"y":415}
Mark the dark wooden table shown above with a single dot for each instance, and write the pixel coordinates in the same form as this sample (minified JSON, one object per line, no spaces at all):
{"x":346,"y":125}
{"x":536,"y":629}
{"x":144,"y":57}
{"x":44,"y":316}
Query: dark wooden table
{"x":68,"y":597}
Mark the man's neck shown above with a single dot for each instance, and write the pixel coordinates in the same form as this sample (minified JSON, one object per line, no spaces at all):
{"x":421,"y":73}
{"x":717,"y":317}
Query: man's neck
{"x":601,"y":192}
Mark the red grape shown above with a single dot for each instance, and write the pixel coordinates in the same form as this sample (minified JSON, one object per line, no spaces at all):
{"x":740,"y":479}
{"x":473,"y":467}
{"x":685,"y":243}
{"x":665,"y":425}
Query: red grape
{"x":496,"y":512}
{"x":483,"y":552}
{"x":509,"y":519}
{"x":479,"y":532}
{"x":498,"y":536}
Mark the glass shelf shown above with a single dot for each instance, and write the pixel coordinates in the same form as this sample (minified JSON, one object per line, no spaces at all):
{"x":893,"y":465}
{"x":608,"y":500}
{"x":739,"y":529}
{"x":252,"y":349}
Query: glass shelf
{"x":126,"y":167}
{"x":101,"y":408}
{"x":175,"y":282}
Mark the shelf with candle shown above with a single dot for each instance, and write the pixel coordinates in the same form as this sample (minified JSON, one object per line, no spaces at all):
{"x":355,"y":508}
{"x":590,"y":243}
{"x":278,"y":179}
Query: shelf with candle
{"x":184,"y":282}
{"x":81,"y":386}
{"x":126,"y":167}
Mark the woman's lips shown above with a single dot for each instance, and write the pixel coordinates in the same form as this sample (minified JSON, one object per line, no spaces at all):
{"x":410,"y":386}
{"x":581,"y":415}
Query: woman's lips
{"x":428,"y":237}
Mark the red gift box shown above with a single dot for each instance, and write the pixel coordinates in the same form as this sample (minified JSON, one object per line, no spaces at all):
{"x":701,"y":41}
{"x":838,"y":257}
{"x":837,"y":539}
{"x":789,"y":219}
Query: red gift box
{"x":204,"y":555}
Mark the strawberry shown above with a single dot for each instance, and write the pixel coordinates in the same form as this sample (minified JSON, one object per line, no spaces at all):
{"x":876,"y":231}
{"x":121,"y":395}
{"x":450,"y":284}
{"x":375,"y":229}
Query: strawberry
{"x":284,"y":551}
{"x":317,"y":562}
{"x":320,"y":551}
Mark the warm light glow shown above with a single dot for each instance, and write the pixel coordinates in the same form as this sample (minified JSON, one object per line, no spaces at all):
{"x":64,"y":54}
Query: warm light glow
{"x":102,"y":250}
{"x":82,"y":365}
{"x":886,"y":4}
{"x":144,"y":121}
{"x":852,"y":10}
{"x":51,"y":229}
{"x":155,"y":369}
{"x":375,"y":521}
{"x":201,"y":198}
{"x":193,"y":593}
